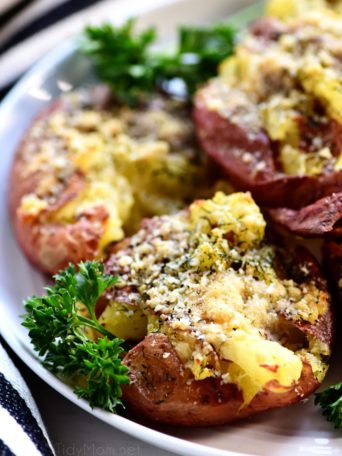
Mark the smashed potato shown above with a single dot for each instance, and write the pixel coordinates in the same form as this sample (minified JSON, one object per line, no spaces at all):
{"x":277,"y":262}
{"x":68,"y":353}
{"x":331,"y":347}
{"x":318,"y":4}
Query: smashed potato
{"x":233,"y":325}
{"x":272,"y":119}
{"x":88,"y":171}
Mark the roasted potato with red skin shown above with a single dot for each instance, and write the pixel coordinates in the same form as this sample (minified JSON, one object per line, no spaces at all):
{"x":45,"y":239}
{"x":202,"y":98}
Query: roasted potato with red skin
{"x":226,"y":142}
{"x":89,"y":169}
{"x":162,"y":390}
{"x":273,"y":128}
{"x":180,"y":372}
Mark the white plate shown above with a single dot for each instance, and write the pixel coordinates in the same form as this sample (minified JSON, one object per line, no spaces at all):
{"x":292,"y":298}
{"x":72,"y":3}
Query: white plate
{"x":298,"y":430}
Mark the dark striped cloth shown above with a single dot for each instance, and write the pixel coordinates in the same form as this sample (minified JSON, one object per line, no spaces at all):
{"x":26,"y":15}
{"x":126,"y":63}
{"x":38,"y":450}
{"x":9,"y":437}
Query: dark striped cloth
{"x":35,"y":15}
{"x":22,"y":19}
{"x":22,"y":432}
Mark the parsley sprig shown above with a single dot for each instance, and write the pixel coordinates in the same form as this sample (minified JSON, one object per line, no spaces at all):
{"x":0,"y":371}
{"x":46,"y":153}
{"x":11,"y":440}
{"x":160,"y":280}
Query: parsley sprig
{"x":330,"y":400}
{"x":58,"y":331}
{"x":126,"y":62}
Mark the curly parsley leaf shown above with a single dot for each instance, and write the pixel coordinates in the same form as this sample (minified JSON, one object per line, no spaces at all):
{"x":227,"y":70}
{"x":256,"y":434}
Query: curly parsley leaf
{"x":200,"y":50}
{"x":126,"y":62}
{"x":58,"y":331}
{"x":121,"y":58}
{"x":104,"y":373}
{"x":330,"y":400}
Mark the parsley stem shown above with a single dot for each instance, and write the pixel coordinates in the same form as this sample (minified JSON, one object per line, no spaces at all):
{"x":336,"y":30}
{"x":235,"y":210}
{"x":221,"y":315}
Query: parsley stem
{"x":84,"y":321}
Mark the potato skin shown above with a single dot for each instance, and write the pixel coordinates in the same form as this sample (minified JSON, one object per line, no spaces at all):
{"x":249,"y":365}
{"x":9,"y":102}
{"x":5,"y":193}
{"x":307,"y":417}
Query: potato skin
{"x":226,"y":142}
{"x":51,"y":246}
{"x":316,"y":219}
{"x":162,"y":390}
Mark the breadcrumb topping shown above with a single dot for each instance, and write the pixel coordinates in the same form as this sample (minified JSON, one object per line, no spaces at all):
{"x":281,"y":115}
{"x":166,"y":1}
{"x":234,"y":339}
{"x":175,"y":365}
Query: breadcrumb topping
{"x":205,"y":278}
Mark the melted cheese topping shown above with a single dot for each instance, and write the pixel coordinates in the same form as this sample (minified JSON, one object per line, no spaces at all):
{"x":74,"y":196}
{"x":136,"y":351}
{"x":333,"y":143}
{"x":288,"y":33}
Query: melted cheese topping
{"x":205,"y":278}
